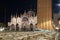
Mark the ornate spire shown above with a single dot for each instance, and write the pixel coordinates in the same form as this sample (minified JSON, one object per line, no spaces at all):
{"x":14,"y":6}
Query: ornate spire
{"x":24,"y":13}
{"x":20,"y":15}
{"x":30,"y":9}
{"x":16,"y":14}
{"x":11,"y":12}
{"x":11,"y":16}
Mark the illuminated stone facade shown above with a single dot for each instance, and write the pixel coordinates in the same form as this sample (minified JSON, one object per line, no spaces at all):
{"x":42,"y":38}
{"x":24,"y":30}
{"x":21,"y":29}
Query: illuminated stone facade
{"x":25,"y":21}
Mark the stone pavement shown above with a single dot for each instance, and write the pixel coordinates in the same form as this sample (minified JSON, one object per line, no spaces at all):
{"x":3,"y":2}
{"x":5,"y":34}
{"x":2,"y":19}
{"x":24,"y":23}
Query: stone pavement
{"x":36,"y":35}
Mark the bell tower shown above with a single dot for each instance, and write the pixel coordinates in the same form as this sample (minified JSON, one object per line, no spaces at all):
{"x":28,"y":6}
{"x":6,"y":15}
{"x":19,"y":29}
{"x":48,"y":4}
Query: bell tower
{"x":44,"y":14}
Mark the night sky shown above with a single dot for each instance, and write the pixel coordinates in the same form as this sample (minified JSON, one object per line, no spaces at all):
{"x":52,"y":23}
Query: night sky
{"x":8,"y":7}
{"x":55,"y":8}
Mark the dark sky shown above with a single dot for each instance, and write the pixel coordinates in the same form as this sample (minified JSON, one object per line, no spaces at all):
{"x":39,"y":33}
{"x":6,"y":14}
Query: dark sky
{"x":11,"y":6}
{"x":17,"y":3}
{"x":55,"y":8}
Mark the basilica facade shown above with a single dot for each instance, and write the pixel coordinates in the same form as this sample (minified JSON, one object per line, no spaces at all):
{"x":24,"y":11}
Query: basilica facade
{"x":23,"y":22}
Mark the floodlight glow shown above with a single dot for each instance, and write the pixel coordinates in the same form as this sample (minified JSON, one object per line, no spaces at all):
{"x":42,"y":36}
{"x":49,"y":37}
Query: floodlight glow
{"x":58,"y":4}
{"x":1,"y":29}
{"x":57,"y":28}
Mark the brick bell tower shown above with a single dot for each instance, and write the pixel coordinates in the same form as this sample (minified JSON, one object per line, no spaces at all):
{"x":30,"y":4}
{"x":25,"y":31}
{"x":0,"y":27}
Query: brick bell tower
{"x":44,"y":14}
